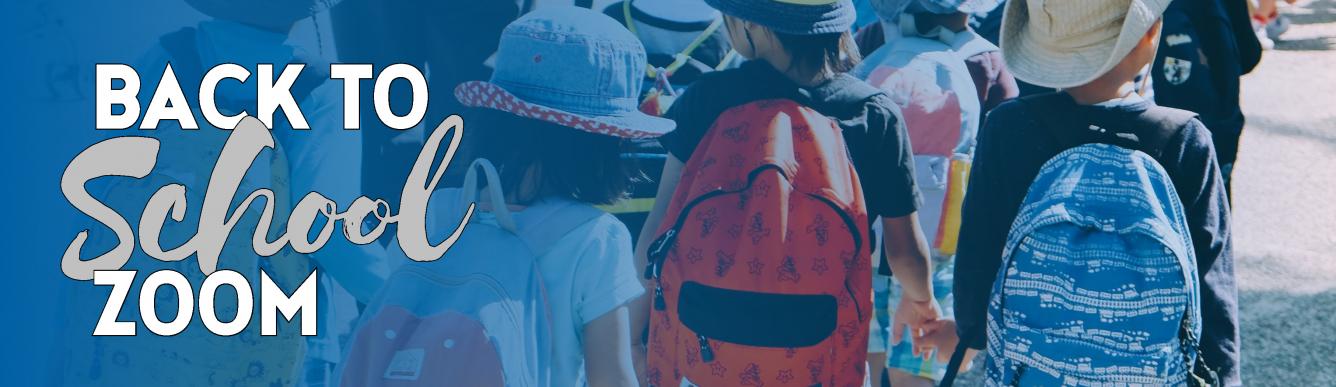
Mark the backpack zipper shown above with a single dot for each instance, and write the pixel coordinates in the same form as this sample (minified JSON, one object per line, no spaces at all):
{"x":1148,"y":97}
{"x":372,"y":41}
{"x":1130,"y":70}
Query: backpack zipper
{"x":1016,"y":377}
{"x":659,"y":303}
{"x":706,"y":354}
{"x":854,"y":298}
{"x":658,"y":250}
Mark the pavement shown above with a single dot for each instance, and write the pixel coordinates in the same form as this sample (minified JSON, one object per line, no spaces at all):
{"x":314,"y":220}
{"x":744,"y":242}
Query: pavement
{"x":1285,"y":208}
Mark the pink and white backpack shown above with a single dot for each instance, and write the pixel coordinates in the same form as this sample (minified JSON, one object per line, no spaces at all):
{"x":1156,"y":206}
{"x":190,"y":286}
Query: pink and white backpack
{"x":477,"y":316}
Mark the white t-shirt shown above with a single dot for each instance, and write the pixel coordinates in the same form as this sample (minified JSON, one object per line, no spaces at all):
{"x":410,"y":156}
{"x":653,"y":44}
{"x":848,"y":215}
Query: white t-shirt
{"x":588,"y":273}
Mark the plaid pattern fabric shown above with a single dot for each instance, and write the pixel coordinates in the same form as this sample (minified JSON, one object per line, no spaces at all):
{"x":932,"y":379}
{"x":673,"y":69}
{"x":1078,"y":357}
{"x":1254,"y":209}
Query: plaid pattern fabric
{"x":901,"y":357}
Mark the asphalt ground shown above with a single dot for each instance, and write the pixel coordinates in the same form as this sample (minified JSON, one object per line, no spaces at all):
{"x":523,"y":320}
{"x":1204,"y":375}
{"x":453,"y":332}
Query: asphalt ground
{"x":1285,"y":206}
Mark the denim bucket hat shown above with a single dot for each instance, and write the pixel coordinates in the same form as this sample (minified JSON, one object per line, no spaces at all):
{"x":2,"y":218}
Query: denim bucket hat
{"x":795,"y":17}
{"x":572,"y":67}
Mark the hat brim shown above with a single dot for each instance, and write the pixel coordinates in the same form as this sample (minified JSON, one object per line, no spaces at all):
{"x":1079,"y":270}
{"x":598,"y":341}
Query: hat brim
{"x":1036,"y":64}
{"x":631,"y":125}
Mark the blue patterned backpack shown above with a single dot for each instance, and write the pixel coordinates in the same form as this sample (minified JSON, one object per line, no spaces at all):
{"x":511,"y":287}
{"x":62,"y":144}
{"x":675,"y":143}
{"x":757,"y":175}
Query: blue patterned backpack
{"x":1098,"y":284}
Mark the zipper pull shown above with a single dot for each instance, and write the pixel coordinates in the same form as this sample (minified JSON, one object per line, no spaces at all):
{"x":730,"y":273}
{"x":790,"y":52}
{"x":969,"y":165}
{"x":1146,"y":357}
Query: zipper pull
{"x":658,"y":251}
{"x":706,"y":354}
{"x":651,"y":269}
{"x":659,"y":303}
{"x":1016,"y":377}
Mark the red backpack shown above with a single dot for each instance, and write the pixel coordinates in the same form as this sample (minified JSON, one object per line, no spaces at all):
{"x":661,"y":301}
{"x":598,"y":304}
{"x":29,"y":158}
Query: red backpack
{"x":761,"y":267}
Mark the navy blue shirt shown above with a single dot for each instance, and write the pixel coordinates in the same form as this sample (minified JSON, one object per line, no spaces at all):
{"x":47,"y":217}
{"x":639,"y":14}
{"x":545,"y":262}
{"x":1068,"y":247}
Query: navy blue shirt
{"x":1013,"y":146}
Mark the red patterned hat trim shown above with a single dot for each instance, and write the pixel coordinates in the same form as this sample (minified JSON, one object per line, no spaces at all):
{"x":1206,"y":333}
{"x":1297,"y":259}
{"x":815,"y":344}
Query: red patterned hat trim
{"x":491,"y":96}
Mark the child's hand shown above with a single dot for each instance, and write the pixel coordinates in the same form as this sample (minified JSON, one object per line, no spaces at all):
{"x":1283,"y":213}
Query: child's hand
{"x":940,"y":334}
{"x":914,"y":316}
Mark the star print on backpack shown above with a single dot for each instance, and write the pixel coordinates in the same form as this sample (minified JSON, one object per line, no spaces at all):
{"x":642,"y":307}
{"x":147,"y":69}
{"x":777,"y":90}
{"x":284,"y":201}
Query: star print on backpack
{"x":766,"y":310}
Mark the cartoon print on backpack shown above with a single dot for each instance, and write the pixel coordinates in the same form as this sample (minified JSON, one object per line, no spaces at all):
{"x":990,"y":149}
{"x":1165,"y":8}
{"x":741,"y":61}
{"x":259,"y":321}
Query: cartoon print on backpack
{"x":757,"y":229}
{"x":695,"y":255}
{"x":737,"y":133}
{"x":819,"y":228}
{"x":788,"y":271}
{"x":707,"y":219}
{"x":751,"y":376}
{"x":715,"y":316}
{"x":725,"y":262}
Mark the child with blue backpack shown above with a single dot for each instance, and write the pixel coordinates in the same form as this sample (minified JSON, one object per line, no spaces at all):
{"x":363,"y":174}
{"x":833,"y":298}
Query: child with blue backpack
{"x":1168,"y":213}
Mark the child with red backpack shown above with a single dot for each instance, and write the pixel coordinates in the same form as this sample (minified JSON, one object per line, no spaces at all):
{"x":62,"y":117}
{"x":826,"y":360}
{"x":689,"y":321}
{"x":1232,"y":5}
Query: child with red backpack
{"x":760,"y":263}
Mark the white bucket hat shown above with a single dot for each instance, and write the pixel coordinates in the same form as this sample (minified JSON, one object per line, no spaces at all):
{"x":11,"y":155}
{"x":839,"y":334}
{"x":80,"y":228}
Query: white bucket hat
{"x":1066,"y":43}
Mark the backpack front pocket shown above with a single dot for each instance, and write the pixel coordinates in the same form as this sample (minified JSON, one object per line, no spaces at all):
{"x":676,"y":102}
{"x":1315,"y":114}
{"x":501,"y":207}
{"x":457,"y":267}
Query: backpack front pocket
{"x":757,"y":319}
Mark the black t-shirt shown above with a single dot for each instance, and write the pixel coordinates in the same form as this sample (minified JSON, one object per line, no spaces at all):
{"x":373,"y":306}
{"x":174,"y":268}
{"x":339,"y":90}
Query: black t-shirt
{"x":1013,"y":146}
{"x":877,"y":141}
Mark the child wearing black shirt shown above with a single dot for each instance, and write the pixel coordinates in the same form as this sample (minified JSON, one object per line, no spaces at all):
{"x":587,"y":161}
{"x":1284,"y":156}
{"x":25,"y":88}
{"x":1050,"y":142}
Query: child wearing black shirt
{"x":802,"y":53}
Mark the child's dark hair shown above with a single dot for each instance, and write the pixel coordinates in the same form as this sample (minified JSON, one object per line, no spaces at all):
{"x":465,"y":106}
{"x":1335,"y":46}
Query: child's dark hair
{"x":835,"y":52}
{"x":565,"y":162}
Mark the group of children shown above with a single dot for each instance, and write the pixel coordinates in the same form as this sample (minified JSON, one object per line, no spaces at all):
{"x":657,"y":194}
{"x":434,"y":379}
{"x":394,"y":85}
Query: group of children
{"x":938,"y":80}
{"x":925,"y":115}
{"x":911,"y":140}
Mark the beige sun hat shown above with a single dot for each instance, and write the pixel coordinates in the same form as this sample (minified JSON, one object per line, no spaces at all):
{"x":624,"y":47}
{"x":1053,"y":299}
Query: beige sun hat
{"x":1066,"y":43}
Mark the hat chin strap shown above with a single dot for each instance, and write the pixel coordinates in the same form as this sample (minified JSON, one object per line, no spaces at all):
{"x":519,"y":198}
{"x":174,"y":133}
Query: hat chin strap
{"x":685,"y":11}
{"x":1141,"y":87}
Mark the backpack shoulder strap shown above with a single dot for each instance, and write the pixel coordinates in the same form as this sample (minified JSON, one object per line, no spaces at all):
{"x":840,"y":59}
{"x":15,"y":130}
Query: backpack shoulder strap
{"x":551,"y":222}
{"x":1149,"y":132}
{"x":975,"y":45}
{"x":1166,"y":122}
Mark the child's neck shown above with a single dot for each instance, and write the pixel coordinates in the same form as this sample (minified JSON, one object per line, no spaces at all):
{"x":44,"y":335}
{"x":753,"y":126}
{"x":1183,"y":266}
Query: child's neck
{"x":1101,"y":90}
{"x":784,"y":64}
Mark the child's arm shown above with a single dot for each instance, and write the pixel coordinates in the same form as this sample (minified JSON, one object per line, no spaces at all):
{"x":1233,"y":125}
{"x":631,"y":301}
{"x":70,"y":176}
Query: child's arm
{"x":907,"y":255}
{"x":1209,"y":224}
{"x":607,"y":350}
{"x":986,"y":217}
